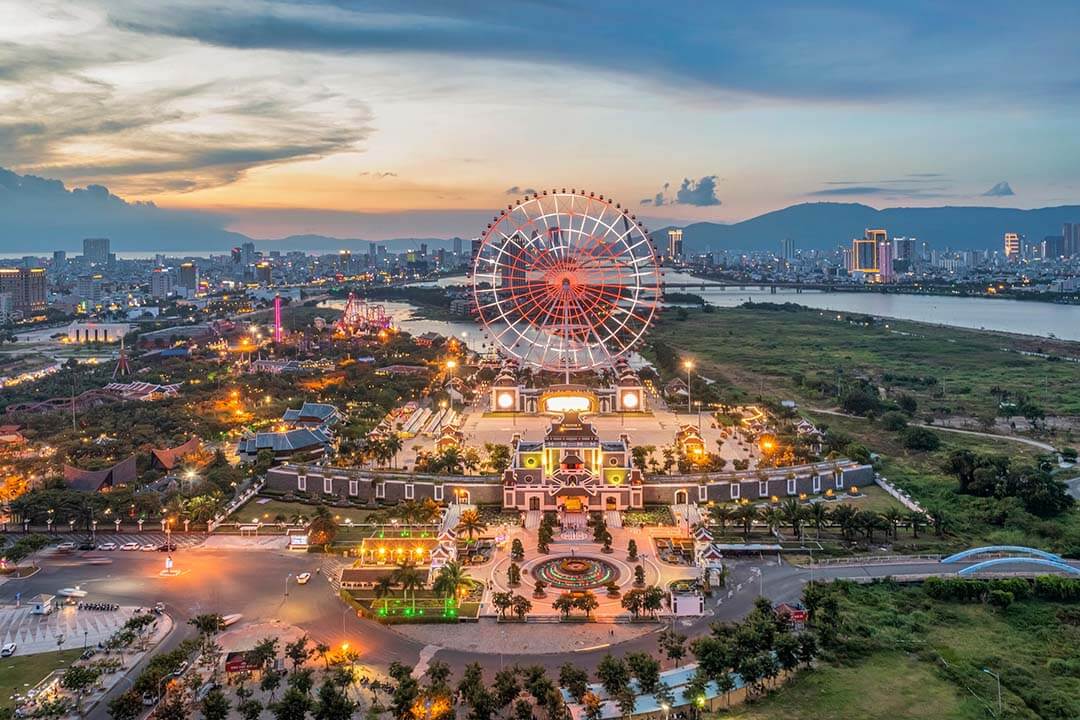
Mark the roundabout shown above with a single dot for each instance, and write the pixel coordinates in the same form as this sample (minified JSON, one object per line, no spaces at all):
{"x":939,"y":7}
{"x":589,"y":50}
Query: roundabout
{"x":575,"y":573}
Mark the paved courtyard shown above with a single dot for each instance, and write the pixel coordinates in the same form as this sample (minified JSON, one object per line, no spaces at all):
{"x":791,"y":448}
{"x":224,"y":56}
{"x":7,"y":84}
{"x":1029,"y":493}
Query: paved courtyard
{"x":656,"y":428}
{"x":41,"y":633}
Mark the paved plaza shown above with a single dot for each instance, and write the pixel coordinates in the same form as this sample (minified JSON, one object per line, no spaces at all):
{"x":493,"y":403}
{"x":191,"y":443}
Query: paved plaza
{"x":43,"y":633}
{"x":656,"y":428}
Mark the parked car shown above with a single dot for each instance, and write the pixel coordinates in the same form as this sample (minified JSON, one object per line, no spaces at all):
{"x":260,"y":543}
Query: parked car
{"x":8,"y":650}
{"x":149,"y":547}
{"x":87,"y":546}
{"x":130,"y":546}
{"x":66,"y":546}
{"x":302,"y":578}
{"x":107,"y":546}
{"x":167,"y":547}
{"x":159,"y":608}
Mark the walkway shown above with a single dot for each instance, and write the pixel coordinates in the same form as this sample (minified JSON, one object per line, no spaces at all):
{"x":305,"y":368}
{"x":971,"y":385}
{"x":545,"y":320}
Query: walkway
{"x":993,"y":436}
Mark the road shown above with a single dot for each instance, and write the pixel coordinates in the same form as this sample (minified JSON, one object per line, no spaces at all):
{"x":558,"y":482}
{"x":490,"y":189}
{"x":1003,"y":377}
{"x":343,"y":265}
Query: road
{"x":253,"y":582}
{"x":993,"y":436}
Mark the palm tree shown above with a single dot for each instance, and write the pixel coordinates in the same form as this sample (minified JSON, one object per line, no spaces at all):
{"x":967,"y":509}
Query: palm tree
{"x":916,"y":519}
{"x":722,"y":514}
{"x":392,"y":445}
{"x":452,"y":578}
{"x":471,"y":524}
{"x":894,"y":516}
{"x":819,"y":517}
{"x":382,"y":588}
{"x":409,"y":578}
{"x":793,"y":513}
{"x":772,"y":518}
{"x":746,"y":514}
{"x":843,"y":516}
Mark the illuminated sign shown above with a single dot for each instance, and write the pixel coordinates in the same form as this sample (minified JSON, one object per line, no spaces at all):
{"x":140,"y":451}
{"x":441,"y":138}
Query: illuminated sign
{"x":568,"y":403}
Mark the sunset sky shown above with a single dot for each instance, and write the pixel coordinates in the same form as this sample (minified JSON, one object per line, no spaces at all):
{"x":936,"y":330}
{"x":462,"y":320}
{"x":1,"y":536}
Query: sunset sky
{"x":344,"y":118}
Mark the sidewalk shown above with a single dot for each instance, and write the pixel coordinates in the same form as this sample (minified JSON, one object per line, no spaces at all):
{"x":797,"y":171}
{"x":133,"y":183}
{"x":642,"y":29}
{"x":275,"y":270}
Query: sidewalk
{"x":42,"y":633}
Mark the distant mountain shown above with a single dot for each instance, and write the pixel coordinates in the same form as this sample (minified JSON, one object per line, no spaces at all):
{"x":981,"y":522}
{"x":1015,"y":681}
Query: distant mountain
{"x":38,"y":215}
{"x":823,"y":226}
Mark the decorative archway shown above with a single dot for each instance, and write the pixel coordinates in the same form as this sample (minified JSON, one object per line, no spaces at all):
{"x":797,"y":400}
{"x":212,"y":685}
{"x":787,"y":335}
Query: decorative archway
{"x":987,"y":564}
{"x":1004,"y":549}
{"x":681,"y":497}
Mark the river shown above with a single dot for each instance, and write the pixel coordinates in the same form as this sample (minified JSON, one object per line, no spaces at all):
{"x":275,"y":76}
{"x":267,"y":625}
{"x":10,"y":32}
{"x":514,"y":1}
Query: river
{"x":977,"y":313}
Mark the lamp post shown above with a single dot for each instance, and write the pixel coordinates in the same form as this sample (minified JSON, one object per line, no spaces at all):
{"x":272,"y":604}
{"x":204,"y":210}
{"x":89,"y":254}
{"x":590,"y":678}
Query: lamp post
{"x":697,"y":406}
{"x":442,"y":407}
{"x":996,"y":677}
{"x":287,"y":579}
{"x":450,"y":365}
{"x":689,"y":365}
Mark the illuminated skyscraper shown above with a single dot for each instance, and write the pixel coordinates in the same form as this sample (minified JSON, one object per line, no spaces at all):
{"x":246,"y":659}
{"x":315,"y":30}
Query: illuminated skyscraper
{"x":674,"y":241}
{"x":865,"y":251}
{"x":1012,"y":246}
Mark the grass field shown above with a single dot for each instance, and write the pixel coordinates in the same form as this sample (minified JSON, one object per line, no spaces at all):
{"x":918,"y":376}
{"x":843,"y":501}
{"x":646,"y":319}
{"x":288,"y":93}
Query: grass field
{"x":781,"y":353}
{"x":888,"y":686}
{"x":270,"y":510}
{"x":22,"y":672}
{"x":907,"y":656}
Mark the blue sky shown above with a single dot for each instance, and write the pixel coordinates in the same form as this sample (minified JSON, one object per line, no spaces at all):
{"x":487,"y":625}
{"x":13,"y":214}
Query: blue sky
{"x":355,"y":118}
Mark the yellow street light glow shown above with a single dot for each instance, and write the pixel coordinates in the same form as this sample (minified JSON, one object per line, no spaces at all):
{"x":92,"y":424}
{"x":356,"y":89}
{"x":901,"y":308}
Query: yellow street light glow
{"x":688,"y":364}
{"x":451,"y":364}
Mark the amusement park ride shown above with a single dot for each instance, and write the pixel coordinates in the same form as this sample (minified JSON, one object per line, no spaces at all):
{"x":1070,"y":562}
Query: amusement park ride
{"x":565,"y":281}
{"x":361,"y":316}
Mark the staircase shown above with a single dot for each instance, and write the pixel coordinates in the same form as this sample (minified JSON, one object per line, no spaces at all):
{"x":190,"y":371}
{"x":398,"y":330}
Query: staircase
{"x":613,"y":518}
{"x":532,"y":519}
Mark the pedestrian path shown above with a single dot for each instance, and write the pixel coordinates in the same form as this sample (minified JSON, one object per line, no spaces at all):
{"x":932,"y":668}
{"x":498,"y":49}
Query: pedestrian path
{"x":67,"y":627}
{"x":182,"y":540}
{"x":532,"y":519}
{"x":613,"y":518}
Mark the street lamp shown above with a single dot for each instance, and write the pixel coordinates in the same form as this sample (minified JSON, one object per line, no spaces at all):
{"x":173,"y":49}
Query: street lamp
{"x":697,"y":406}
{"x":287,"y":579}
{"x":689,"y":365}
{"x":997,"y":677}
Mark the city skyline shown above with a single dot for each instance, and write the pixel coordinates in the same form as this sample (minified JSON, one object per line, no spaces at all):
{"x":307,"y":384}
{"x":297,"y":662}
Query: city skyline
{"x":280,"y":118}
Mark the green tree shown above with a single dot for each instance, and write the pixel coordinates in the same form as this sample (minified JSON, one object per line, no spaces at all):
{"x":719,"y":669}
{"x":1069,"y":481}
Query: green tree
{"x":215,"y":706}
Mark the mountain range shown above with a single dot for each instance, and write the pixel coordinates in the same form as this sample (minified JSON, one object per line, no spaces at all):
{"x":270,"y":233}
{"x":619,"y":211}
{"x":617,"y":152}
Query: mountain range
{"x":38,"y":215}
{"x":825,"y":225}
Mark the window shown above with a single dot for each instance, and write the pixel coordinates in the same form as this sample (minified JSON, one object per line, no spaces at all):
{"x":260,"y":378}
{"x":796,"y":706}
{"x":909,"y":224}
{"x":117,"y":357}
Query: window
{"x":301,"y":483}
{"x":409,"y":491}
{"x":438,"y":493}
{"x":328,"y":485}
{"x":702,"y":493}
{"x":380,"y":490}
{"x":817,"y":483}
{"x":735,"y":490}
{"x":791,"y":486}
{"x":354,"y":487}
{"x":763,"y":488}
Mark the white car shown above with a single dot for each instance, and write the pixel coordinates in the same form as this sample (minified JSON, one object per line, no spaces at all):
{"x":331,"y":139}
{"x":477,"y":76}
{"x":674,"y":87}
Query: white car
{"x":149,"y":548}
{"x":8,"y":650}
{"x":71,"y":592}
{"x":130,"y":546}
{"x":107,"y":546}
{"x":302,"y":578}
{"x":66,"y":546}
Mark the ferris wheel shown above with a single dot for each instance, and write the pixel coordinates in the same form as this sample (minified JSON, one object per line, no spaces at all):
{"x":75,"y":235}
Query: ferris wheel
{"x":566,"y":281}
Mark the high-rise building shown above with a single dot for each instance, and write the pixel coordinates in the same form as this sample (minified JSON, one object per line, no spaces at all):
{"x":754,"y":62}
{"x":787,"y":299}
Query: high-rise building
{"x":91,"y":288}
{"x":7,"y":310}
{"x":188,"y":277}
{"x":161,"y":283}
{"x":1070,"y":232}
{"x":788,"y":246}
{"x":457,"y":246}
{"x":247,"y":253}
{"x":59,"y":258}
{"x":236,"y":256}
{"x":27,"y":286}
{"x":674,"y":244}
{"x":1012,"y":246}
{"x":262,"y":273}
{"x":1053,"y":247}
{"x":864,"y":251}
{"x":96,"y":250}
{"x":903,"y":248}
{"x":885,"y":267}
{"x":423,"y":250}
